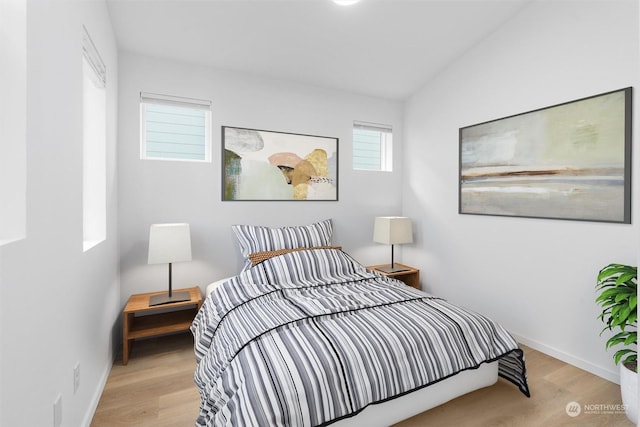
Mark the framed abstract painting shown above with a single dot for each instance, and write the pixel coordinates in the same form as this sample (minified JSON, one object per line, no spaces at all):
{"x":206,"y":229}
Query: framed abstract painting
{"x":268,"y":165}
{"x":570,"y":161}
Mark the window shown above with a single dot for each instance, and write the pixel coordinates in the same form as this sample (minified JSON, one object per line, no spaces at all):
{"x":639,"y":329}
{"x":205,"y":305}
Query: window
{"x":94,"y":135}
{"x":372,"y":145}
{"x":13,"y":121}
{"x":174,"y":128}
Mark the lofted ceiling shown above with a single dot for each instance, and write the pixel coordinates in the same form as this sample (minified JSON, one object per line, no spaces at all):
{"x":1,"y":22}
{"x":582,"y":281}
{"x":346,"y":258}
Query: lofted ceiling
{"x":381,"y":48}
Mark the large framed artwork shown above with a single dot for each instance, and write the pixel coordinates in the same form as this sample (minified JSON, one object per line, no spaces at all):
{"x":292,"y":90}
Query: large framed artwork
{"x":268,"y":165}
{"x":570,"y":161}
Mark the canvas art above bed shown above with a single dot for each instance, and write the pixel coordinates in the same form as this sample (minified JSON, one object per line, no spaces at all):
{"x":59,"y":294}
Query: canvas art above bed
{"x":267,"y":165}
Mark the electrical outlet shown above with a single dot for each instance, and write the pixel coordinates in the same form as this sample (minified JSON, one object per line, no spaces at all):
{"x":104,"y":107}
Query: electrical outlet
{"x":76,"y":377}
{"x":57,"y":411}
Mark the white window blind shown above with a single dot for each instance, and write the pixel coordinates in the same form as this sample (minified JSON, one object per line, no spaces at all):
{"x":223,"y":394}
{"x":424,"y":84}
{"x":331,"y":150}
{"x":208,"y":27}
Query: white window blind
{"x":93,"y":58}
{"x":175,"y":128}
{"x":372,"y":147}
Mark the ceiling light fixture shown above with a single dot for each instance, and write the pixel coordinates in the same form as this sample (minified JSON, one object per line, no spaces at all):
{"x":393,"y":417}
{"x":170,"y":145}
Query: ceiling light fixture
{"x":345,"y":2}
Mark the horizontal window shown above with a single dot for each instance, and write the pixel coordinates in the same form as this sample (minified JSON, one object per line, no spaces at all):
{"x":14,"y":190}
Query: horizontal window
{"x":174,"y":128}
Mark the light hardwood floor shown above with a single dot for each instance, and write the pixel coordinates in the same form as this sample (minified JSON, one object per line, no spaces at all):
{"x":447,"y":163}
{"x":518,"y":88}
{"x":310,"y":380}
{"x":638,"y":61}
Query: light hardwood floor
{"x":156,"y":390}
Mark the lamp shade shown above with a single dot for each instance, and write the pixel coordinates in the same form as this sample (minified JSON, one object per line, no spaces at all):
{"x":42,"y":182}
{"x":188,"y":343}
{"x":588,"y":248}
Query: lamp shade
{"x":169,"y":243}
{"x":392,"y":230}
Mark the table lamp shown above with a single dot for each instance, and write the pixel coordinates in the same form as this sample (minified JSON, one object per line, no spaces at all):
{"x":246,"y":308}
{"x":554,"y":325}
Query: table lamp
{"x":169,"y":243}
{"x":392,"y":230}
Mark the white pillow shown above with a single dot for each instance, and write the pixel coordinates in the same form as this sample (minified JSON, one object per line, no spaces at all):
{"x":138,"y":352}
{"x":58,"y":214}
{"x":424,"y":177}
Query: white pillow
{"x":213,"y":285}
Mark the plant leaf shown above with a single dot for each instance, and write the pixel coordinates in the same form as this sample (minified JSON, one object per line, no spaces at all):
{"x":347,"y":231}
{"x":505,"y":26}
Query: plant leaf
{"x":620,"y":353}
{"x":631,"y":339}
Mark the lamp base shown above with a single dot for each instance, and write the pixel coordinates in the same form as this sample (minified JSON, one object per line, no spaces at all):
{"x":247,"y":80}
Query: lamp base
{"x":166,"y":299}
{"x":392,"y":269}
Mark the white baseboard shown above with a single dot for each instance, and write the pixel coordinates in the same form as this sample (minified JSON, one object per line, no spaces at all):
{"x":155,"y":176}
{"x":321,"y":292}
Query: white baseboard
{"x":95,"y":400}
{"x":570,"y":359}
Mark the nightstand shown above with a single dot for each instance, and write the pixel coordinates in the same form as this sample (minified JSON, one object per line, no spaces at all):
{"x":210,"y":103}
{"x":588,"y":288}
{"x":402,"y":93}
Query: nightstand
{"x":410,"y":276}
{"x":141,"y":320}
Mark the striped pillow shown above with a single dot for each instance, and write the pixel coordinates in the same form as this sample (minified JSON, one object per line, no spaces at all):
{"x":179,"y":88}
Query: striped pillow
{"x":255,"y":238}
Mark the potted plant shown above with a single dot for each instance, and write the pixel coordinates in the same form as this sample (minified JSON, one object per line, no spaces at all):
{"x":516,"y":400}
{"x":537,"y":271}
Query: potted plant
{"x":618,"y":296}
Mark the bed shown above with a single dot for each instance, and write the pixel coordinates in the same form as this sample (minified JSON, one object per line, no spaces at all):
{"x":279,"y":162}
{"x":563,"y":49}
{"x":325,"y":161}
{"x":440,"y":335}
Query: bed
{"x":306,"y":336}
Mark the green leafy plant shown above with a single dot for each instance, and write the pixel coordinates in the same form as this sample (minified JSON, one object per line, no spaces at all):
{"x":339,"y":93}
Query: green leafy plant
{"x":618,"y":296}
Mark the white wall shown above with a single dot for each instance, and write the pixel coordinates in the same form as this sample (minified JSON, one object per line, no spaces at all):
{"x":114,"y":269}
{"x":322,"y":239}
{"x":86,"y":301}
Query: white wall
{"x":59,"y":305}
{"x":154,"y":191}
{"x":535,"y":276}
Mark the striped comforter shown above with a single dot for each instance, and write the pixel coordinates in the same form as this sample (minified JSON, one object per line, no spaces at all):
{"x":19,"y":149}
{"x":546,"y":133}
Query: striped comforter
{"x":310,"y":337}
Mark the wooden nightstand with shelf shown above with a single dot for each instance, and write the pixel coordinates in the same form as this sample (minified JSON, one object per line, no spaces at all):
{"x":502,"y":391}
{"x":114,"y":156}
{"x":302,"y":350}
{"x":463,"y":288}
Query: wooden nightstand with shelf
{"x":140,"y":320}
{"x":410,"y":275}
